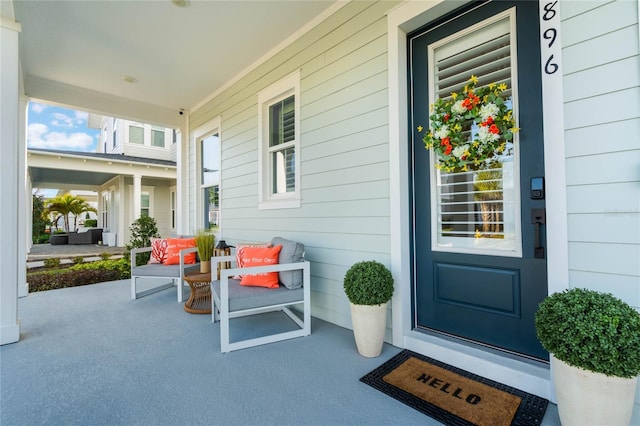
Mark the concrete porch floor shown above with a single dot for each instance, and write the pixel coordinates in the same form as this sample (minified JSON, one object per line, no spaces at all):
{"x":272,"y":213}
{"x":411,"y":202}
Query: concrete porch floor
{"x":92,"y":356}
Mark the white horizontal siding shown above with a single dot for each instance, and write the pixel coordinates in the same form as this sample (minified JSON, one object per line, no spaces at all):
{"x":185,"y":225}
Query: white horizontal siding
{"x":603,"y":198}
{"x":344,"y":214}
{"x":623,"y":258}
{"x":147,"y":151}
{"x":588,"y":140}
{"x":601,"y":64}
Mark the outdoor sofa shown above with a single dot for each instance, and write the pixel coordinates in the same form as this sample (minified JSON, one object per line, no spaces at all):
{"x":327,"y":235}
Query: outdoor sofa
{"x":90,"y":236}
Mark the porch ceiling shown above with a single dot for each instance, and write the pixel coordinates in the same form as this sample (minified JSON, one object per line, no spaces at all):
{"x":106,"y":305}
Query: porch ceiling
{"x":79,"y":52}
{"x":43,"y":178}
{"x":55,"y":169}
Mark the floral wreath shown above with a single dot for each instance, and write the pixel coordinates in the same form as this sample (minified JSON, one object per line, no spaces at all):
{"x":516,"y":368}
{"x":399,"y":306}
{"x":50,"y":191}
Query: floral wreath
{"x":484,"y":113}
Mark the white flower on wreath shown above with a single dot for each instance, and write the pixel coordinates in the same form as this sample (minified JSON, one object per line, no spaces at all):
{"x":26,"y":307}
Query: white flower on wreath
{"x":459,"y":151}
{"x":488,"y":110}
{"x":442,"y":132}
{"x":457,"y":108}
{"x":484,"y":135}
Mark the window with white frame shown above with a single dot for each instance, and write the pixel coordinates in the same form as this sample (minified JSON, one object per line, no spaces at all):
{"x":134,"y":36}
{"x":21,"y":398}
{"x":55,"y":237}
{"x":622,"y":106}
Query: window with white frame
{"x":136,"y":134}
{"x":144,"y":204}
{"x":477,"y":210}
{"x":157,"y":137}
{"x":279,"y":144}
{"x":146,"y":201}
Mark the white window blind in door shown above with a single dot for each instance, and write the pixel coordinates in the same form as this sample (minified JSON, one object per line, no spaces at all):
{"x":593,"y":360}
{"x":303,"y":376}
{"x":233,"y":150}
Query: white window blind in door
{"x":475,"y":210}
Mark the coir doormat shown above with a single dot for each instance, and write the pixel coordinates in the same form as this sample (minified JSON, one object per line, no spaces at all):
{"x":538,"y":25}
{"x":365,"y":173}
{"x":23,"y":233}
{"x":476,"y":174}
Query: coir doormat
{"x":454,"y":396}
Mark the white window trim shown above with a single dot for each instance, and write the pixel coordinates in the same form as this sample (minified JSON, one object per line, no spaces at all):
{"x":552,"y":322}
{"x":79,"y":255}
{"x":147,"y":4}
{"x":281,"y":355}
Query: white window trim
{"x":105,"y":210}
{"x":211,"y":127}
{"x":278,"y":91}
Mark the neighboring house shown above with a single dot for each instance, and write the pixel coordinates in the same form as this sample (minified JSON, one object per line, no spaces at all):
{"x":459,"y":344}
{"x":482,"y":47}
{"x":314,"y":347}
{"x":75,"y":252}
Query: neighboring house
{"x":126,"y":187}
{"x":118,"y":136}
{"x":320,"y":143}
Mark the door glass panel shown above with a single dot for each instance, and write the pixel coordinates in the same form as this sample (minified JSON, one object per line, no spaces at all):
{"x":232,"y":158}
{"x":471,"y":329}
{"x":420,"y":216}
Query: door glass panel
{"x":475,"y":209}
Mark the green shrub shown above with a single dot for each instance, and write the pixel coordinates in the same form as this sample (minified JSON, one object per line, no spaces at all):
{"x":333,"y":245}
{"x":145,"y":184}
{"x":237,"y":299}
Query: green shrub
{"x":77,"y":260}
{"x":52,"y":263}
{"x":142,"y":229}
{"x":105,"y":256}
{"x":591,"y":330}
{"x":368,"y":283}
{"x":69,"y":278}
{"x":80,"y":274}
{"x":91,"y":223}
{"x":40,"y":239}
{"x":121,"y":266}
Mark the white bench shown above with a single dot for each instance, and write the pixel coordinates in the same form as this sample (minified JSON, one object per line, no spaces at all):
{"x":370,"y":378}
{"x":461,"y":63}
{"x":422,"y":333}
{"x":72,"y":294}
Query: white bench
{"x":174,"y":273}
{"x":234,"y":300}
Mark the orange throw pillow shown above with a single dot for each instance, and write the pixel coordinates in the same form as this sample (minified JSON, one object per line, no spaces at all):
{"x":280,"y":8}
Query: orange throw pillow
{"x":240,"y":254}
{"x":174,"y":245}
{"x":261,"y":256}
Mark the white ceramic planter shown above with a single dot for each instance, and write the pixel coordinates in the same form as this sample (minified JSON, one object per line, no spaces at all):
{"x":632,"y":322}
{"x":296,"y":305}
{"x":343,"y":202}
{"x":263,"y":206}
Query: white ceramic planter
{"x":588,"y":398}
{"x":369,"y":323}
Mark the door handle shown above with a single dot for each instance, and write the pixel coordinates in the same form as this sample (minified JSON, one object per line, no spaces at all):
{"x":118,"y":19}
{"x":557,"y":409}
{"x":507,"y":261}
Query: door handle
{"x":538,"y":217}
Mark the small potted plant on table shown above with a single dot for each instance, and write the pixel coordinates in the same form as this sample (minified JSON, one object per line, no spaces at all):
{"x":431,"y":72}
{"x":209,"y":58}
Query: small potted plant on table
{"x":594,"y":340}
{"x":369,"y":286}
{"x":205,"y":242}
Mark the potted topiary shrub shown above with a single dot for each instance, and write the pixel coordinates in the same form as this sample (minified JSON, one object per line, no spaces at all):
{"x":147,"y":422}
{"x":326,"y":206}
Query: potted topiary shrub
{"x":205,"y":242}
{"x":594,"y":340}
{"x":369,"y":286}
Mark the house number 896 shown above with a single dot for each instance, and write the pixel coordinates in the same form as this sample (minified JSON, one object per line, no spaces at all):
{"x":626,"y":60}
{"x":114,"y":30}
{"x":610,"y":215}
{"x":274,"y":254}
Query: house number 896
{"x":551,"y":35}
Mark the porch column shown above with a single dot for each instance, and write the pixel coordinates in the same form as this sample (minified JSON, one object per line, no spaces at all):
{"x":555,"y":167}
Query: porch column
{"x":137,"y":195}
{"x":10,"y":182}
{"x":25,"y":203}
{"x":182,"y":178}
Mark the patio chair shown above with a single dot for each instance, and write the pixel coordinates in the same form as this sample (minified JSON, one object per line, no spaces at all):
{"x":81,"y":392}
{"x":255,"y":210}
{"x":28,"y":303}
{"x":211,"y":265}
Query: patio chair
{"x":174,"y":273}
{"x":234,"y":300}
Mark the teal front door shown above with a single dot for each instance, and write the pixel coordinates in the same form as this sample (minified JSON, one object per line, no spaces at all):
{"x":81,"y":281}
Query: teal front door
{"x":478,"y":229}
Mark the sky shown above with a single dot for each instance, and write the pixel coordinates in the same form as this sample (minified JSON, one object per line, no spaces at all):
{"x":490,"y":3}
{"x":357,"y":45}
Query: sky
{"x":53,"y":127}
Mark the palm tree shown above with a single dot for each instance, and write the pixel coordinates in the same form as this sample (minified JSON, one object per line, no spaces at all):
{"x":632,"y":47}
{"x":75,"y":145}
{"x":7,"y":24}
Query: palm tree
{"x":81,"y":206}
{"x":66,"y":205}
{"x":488,"y":191}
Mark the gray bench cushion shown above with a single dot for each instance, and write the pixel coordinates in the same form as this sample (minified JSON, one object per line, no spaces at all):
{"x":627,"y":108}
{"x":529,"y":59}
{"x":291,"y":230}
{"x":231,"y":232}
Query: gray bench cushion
{"x":160,"y":270}
{"x":246,"y":297}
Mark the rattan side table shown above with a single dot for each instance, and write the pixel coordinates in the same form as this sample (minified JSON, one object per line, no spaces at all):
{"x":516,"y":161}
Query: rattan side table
{"x":199,"y":301}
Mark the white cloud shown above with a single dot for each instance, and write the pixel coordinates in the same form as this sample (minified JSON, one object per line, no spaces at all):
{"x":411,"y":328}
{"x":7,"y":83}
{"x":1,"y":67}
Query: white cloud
{"x":63,"y":120}
{"x":38,"y":136}
{"x":35,"y":131}
{"x":37,"y":108}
